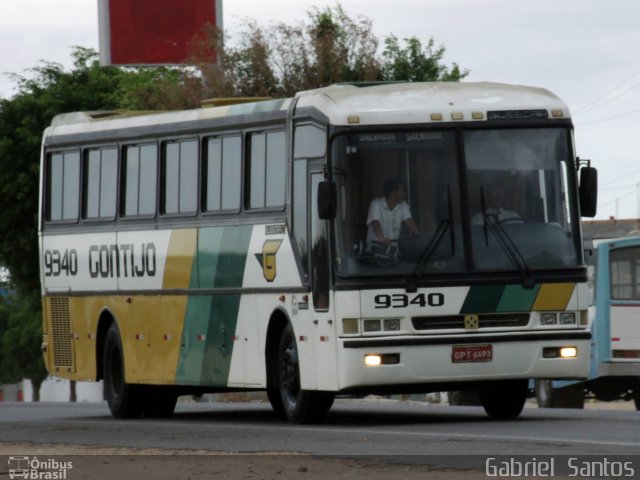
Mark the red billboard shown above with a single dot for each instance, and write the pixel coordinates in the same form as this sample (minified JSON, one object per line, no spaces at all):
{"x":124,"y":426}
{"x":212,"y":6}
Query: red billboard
{"x":153,"y":32}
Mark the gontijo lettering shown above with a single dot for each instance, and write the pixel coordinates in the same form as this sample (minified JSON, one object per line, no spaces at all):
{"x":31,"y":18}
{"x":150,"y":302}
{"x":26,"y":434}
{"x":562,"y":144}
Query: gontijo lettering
{"x":124,"y":260}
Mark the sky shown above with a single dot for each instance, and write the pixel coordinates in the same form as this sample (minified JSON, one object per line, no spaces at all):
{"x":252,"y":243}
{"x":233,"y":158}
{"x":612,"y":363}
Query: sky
{"x":585,"y":51}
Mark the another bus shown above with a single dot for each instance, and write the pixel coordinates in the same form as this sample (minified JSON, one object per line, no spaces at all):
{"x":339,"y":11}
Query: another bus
{"x":614,"y":372}
{"x":225,"y":248}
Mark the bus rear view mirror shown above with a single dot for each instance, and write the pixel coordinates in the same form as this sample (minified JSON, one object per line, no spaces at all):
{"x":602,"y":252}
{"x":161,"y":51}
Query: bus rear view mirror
{"x":588,"y":191}
{"x":327,"y":200}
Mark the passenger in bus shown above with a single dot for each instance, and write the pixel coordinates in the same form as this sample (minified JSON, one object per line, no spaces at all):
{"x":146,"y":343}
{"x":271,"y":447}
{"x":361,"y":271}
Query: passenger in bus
{"x":497,"y":198}
{"x":387,"y":214}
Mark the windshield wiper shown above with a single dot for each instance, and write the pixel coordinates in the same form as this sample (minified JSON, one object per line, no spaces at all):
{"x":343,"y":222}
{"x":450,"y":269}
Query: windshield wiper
{"x":430,"y":249}
{"x":510,"y":249}
{"x":435,"y":240}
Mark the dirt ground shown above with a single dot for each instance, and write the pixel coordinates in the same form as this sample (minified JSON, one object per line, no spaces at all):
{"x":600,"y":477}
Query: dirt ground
{"x":127,"y":463}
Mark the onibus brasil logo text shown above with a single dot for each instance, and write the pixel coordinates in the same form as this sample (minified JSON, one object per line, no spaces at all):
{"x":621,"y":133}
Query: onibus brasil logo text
{"x":36,"y":469}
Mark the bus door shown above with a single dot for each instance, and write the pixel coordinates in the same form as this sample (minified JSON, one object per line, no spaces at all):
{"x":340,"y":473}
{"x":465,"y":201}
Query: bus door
{"x":320,"y":279}
{"x":624,"y":309}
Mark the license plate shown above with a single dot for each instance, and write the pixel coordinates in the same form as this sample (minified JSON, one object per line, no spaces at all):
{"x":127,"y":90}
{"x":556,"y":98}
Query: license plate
{"x":471,"y":353}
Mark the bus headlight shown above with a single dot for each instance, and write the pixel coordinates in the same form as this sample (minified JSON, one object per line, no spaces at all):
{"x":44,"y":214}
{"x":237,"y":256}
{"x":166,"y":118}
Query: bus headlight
{"x":391,"y":324}
{"x":568,"y":318}
{"x":371,"y":326}
{"x":548,"y":319}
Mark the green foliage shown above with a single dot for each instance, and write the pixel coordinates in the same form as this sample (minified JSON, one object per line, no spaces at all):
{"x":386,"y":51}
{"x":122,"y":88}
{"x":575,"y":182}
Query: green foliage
{"x":413,"y":63}
{"x":48,"y":91}
{"x":20,"y":339}
{"x":330,"y":47}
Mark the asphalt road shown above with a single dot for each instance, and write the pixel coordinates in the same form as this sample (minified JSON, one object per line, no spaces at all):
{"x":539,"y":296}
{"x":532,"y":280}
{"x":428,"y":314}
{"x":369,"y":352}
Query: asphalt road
{"x":359,"y":428}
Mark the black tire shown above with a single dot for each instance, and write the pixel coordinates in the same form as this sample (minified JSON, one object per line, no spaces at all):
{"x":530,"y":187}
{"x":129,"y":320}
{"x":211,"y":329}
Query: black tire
{"x":299,"y":406}
{"x":124,"y":400}
{"x":549,"y":397}
{"x":273,"y":394}
{"x":504,"y":399}
{"x":636,"y":394}
{"x":159,"y":401}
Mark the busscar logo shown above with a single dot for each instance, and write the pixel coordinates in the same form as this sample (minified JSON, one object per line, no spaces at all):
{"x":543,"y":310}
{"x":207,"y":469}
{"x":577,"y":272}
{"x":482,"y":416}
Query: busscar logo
{"x":33,"y":468}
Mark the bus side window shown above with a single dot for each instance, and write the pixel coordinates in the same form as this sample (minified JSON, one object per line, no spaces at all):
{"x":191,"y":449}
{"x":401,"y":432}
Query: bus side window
{"x":63,"y":186}
{"x":223,"y":167}
{"x":180,"y":177}
{"x":266,"y":174}
{"x":100,"y":180}
{"x":139,"y":180}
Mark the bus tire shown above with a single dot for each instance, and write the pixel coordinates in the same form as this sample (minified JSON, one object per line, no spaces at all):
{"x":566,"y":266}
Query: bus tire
{"x":549,"y":397}
{"x":504,"y":399}
{"x":124,"y":400}
{"x":159,"y":401}
{"x":300,"y":406}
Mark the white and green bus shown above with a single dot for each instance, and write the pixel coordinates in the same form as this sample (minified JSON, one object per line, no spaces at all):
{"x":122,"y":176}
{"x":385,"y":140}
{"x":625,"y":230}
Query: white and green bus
{"x":226,"y":248}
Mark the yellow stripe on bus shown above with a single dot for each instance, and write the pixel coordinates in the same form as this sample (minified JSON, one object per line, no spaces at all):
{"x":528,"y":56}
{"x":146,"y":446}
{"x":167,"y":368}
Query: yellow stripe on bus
{"x":182,"y":247}
{"x":554,"y":296}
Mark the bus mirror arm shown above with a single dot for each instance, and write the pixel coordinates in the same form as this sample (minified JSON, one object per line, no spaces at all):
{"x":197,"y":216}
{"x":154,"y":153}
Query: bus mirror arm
{"x":588,"y":192}
{"x":327,"y":200}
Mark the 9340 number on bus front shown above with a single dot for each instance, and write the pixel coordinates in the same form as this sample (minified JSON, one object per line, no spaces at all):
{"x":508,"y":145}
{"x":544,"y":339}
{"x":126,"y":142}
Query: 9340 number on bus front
{"x":402,"y":300}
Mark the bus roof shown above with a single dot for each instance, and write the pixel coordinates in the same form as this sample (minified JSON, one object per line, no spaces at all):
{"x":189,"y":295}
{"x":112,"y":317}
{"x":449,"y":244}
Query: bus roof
{"x":345,"y":104}
{"x":422,"y":102}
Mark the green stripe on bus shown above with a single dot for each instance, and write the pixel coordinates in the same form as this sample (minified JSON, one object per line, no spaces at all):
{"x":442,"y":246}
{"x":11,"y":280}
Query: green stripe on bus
{"x":210,"y":321}
{"x":482,"y":299}
{"x":224,"y":309}
{"x":516,"y":298}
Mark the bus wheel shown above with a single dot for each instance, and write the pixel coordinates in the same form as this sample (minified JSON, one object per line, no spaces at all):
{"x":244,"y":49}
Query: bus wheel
{"x":549,"y":397}
{"x":300,"y":406}
{"x":124,"y":400}
{"x":159,"y":402}
{"x":504,"y":399}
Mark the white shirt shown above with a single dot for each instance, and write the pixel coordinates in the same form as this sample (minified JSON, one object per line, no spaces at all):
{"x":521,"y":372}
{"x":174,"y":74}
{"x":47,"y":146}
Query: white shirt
{"x":390,"y":219}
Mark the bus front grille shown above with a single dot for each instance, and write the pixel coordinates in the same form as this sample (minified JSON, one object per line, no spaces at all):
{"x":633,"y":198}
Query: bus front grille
{"x":61,"y":333}
{"x":492,"y":320}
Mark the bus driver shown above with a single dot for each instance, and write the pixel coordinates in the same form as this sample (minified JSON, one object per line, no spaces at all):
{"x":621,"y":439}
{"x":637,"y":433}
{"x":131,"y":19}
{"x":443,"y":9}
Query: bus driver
{"x":386,"y":214}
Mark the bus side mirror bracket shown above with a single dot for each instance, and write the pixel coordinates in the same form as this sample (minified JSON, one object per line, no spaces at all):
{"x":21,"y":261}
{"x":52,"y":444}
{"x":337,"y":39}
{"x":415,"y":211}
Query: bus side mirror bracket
{"x":588,"y":192}
{"x":327,"y":200}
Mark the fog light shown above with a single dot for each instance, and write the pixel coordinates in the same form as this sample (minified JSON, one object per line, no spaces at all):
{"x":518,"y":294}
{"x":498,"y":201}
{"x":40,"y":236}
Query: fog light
{"x":548,"y":319}
{"x":560,"y":352}
{"x":371,"y":325}
{"x":568,"y":352}
{"x":567,"y":318}
{"x":372,"y":360}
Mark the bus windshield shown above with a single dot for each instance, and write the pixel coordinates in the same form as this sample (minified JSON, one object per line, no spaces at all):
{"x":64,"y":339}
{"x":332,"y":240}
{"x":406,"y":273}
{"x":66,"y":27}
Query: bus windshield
{"x":454,"y":202}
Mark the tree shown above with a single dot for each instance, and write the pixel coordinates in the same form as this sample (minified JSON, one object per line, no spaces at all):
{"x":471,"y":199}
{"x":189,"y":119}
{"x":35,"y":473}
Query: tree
{"x":20,"y":356}
{"x":412,"y":63}
{"x":23,"y":118}
{"x":330,"y":47}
